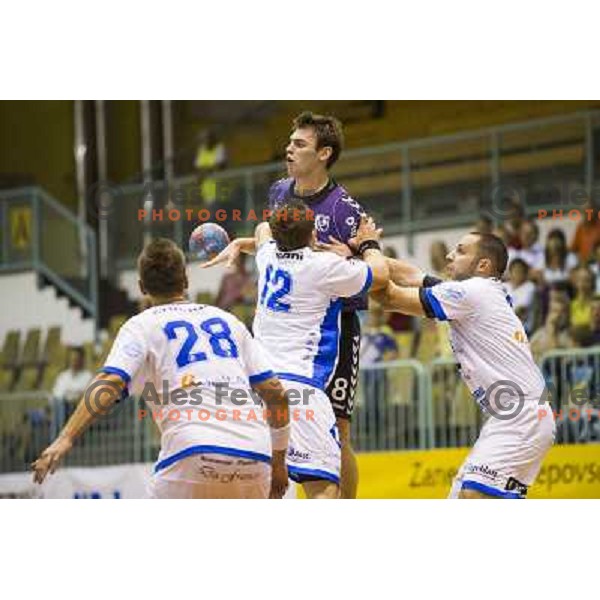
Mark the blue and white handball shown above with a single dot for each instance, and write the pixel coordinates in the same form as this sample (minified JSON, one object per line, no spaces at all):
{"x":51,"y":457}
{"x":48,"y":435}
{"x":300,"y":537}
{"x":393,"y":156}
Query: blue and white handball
{"x":207,"y":240}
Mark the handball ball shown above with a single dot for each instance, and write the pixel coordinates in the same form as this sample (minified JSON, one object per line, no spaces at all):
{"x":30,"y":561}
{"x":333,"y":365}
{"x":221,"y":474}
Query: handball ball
{"x":207,"y":240}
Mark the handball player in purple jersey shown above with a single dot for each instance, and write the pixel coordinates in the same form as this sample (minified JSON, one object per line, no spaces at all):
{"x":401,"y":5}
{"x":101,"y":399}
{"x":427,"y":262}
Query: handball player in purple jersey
{"x":314,"y":146}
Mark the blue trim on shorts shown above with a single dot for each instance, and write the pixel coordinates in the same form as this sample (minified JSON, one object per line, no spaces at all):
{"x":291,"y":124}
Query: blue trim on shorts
{"x":296,"y":474}
{"x":203,"y":449}
{"x":490,"y":491}
{"x":260,"y":377}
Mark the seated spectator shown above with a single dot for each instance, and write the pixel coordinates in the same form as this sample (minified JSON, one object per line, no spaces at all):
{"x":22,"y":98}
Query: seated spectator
{"x":521,"y":290}
{"x":554,"y":334}
{"x":595,"y":325}
{"x":595,"y":264}
{"x":398,"y":321}
{"x":378,"y":343}
{"x":437,"y":257}
{"x":531,"y":250}
{"x":70,"y":384}
{"x":558,"y":261}
{"x":587,"y":234}
{"x":484,"y":225}
{"x":235,"y":286}
{"x":581,"y":305}
{"x":510,"y":230}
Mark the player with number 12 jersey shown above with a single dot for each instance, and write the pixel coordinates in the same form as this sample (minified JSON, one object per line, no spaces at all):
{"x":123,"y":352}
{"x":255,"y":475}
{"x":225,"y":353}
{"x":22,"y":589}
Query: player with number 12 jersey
{"x":297,"y":322}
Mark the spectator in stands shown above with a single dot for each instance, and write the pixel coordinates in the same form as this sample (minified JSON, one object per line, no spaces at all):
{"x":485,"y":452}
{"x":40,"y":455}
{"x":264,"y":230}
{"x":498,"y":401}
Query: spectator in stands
{"x":581,"y":305}
{"x":595,"y":325}
{"x":587,"y":234}
{"x":595,"y":264}
{"x":554,"y":334}
{"x":484,"y":225}
{"x":71,"y":383}
{"x":510,"y":230}
{"x":521,"y":290}
{"x":378,"y":343}
{"x":237,"y":287}
{"x":531,"y":250}
{"x":437,"y":256}
{"x":210,"y":158}
{"x":558,"y":261}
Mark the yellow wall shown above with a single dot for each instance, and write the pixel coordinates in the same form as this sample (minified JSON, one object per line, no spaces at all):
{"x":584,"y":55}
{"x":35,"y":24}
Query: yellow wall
{"x":567,"y":472}
{"x":36,"y":139}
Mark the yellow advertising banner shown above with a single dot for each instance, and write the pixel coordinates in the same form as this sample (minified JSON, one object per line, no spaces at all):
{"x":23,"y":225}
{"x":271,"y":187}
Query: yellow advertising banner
{"x":20,"y":227}
{"x":567,"y":472}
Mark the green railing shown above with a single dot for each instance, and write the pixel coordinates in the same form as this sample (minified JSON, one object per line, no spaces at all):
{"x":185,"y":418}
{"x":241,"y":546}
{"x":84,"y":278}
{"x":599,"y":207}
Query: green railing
{"x":400,"y":405}
{"x":40,"y":234}
{"x":419,"y":185}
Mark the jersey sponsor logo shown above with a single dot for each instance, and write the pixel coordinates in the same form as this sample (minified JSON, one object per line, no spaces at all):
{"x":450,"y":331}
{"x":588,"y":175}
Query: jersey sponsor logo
{"x":297,"y":455}
{"x":513,"y":485}
{"x":451,"y":293}
{"x":289,"y":255}
{"x":322,"y":222}
{"x":482,"y":470}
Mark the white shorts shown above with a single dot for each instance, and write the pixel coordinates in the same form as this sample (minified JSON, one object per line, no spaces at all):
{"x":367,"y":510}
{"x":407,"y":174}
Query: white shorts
{"x":314,"y":447}
{"x":508,"y":455}
{"x":212,"y":476}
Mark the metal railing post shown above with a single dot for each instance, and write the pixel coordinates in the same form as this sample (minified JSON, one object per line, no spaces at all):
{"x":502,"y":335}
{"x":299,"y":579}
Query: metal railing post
{"x":407,"y":198}
{"x":589,"y":154}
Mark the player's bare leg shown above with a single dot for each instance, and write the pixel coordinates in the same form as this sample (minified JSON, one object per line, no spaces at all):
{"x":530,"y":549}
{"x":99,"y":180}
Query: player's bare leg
{"x":473,"y":495}
{"x":349,"y":471}
{"x":321,"y":490}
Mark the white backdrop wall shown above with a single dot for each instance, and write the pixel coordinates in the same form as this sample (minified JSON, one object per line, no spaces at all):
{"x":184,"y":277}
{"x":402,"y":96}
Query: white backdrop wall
{"x":23,"y":306}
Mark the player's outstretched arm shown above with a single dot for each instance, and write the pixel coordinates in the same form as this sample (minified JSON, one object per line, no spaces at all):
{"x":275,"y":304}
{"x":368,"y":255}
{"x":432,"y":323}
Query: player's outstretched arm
{"x":230,"y":254}
{"x":400,"y":299}
{"x":97,"y":401}
{"x":367,"y":245}
{"x":275,"y":397}
{"x":404,"y":274}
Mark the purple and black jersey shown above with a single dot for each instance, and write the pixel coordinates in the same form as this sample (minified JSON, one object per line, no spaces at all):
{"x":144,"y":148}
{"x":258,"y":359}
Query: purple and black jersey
{"x":336,"y":215}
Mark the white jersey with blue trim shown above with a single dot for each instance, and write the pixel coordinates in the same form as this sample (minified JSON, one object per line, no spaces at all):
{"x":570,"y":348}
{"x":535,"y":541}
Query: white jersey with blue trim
{"x":189,"y":358}
{"x":299,"y":307}
{"x":487,"y":337}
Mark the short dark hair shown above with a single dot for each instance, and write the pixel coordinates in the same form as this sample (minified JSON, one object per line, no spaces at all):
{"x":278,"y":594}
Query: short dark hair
{"x":292,"y":225}
{"x":161,"y":266}
{"x":515,"y":262}
{"x":492,"y":247}
{"x":328,"y":131}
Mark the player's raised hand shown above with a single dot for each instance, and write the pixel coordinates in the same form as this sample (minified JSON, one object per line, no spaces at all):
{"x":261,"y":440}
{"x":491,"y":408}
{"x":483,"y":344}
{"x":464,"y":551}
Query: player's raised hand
{"x":50,"y":457}
{"x":336,"y":247}
{"x":367,"y":230}
{"x":279,"y":475}
{"x":228,"y":256}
